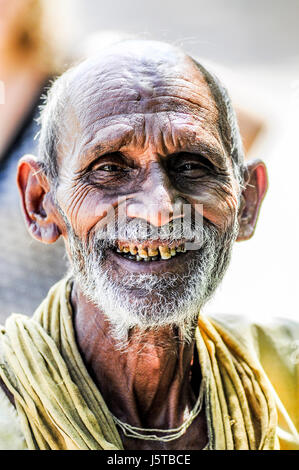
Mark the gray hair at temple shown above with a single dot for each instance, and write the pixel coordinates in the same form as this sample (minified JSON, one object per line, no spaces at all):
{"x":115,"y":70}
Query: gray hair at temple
{"x":52,"y":112}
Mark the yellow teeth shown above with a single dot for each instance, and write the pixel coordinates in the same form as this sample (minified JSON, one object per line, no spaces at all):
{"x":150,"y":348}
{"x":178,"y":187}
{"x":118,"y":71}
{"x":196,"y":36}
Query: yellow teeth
{"x":142,"y":252}
{"x":164,"y":252}
{"x":133,"y":250}
{"x":152,"y":252}
{"x":181,"y":249}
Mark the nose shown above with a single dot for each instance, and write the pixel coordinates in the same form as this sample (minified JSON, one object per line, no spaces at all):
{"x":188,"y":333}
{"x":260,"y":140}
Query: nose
{"x":158,"y":202}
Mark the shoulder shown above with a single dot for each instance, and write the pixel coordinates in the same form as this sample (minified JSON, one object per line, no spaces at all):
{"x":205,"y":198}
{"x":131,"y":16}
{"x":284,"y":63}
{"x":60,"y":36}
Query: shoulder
{"x":280,"y":335}
{"x":275,"y":343}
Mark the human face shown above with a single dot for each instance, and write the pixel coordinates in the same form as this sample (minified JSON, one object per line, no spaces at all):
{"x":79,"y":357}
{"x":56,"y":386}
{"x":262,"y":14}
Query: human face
{"x":143,"y":134}
{"x":150,"y":136}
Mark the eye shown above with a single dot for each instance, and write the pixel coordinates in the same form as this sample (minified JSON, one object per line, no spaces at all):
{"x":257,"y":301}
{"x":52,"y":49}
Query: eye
{"x":109,"y":168}
{"x":186,"y":165}
{"x":192,"y":170}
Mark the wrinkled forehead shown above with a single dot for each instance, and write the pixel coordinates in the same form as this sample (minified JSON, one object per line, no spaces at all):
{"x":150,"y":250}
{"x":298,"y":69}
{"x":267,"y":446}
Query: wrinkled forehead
{"x":140,"y":88}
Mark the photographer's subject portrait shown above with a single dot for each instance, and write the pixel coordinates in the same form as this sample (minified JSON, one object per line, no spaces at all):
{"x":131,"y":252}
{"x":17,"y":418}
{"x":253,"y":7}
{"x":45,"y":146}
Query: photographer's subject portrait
{"x":138,"y":226}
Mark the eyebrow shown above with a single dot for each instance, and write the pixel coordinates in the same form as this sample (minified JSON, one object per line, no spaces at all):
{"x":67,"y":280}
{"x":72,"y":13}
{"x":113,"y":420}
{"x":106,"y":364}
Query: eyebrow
{"x":214,"y":154}
{"x":98,"y":151}
{"x":100,"y":146}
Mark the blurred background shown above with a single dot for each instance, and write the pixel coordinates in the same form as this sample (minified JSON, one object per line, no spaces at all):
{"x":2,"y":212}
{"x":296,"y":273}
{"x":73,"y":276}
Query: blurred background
{"x":253,"y":46}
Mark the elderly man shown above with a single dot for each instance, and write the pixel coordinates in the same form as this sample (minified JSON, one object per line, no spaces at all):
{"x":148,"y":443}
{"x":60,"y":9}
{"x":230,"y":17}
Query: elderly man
{"x":141,"y":171}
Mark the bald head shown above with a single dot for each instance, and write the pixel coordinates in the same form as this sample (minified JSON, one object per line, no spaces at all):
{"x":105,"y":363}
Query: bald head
{"x":150,"y":76}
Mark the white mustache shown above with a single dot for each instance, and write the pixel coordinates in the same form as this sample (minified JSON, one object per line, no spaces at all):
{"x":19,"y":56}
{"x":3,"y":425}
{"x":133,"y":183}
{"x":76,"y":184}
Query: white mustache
{"x":138,"y":230}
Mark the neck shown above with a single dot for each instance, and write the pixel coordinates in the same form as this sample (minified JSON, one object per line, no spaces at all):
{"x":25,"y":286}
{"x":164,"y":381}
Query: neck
{"x":147,"y":384}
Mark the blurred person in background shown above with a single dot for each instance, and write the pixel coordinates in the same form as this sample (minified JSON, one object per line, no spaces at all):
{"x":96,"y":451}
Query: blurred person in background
{"x":30,"y":55}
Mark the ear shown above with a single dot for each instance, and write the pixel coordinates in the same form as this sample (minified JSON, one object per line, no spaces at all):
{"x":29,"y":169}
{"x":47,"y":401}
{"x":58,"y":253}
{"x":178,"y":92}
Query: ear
{"x":37,"y":201}
{"x":256,"y":184}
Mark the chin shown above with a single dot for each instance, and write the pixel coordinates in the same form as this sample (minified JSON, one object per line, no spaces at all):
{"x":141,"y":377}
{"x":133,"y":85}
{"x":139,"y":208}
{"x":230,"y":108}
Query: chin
{"x":151,"y":293}
{"x":157,"y":302}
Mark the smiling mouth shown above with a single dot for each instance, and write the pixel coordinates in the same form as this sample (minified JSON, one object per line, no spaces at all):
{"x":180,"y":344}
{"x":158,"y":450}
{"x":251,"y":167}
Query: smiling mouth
{"x":149,"y":252}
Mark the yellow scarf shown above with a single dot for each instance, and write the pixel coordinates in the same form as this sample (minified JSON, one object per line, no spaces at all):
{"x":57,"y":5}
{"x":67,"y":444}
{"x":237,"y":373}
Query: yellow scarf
{"x":60,"y":407}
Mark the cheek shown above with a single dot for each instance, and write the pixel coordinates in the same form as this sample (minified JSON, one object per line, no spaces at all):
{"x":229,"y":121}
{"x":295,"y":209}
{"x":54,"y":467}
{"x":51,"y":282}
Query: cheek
{"x":218,"y":207}
{"x":85,"y":208}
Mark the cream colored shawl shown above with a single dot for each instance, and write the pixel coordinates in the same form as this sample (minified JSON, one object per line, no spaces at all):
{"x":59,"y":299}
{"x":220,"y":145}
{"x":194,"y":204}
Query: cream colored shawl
{"x":60,"y":407}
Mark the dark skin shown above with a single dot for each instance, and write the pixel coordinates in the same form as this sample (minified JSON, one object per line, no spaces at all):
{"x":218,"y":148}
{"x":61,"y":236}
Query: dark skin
{"x":149,"y":133}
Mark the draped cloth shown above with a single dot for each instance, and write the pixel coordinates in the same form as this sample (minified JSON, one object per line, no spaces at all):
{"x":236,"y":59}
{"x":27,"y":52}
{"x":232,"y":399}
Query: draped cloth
{"x":240,"y":407}
{"x":60,"y":407}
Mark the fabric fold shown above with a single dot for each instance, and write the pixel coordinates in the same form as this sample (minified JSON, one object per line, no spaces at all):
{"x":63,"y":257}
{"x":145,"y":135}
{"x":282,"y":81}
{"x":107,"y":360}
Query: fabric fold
{"x":242,"y":414}
{"x":60,"y":407}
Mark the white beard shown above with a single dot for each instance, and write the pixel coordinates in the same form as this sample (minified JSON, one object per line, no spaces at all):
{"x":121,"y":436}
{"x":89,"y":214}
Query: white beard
{"x":125,"y":310}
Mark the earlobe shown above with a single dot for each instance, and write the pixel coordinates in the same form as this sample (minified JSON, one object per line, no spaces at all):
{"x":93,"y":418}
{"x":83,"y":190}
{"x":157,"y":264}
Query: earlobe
{"x":256,"y":184}
{"x":37,"y":203}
